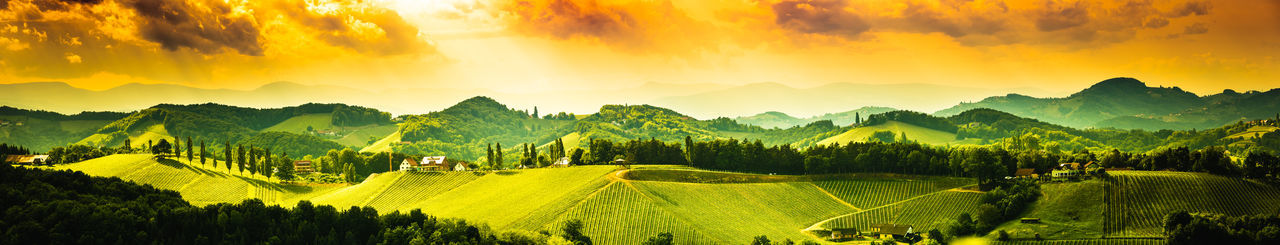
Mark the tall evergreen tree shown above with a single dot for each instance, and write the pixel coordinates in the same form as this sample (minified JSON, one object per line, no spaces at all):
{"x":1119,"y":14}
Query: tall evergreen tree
{"x":177,"y":147}
{"x":227,"y":150}
{"x":240,"y":158}
{"x":189,"y":155}
{"x":688,"y":149}
{"x":535,"y":112}
{"x":857,"y":119}
{"x":253,"y":159}
{"x":127,"y":145}
{"x":267,"y":163}
{"x":498,"y":154}
{"x":285,"y":170}
{"x":202,"y":152}
{"x":489,"y":153}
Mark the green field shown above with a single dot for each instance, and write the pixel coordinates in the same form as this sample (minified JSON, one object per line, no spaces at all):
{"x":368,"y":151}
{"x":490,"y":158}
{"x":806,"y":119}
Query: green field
{"x":1137,"y":201}
{"x":299,"y":124}
{"x":915,"y":133}
{"x":1068,"y":210}
{"x":571,"y":141}
{"x":383,"y":144}
{"x":198,"y":184}
{"x":869,"y":193}
{"x":359,"y":136}
{"x":1252,"y":132}
{"x":153,"y":133}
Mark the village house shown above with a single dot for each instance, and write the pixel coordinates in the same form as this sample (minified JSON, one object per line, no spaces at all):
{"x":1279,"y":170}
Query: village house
{"x":838,"y":234}
{"x":1068,"y":171}
{"x":1025,"y":173}
{"x":303,"y":167}
{"x":408,"y":164}
{"x":461,"y":166}
{"x":887,"y":231}
{"x":562,"y":162}
{"x":431,"y":163}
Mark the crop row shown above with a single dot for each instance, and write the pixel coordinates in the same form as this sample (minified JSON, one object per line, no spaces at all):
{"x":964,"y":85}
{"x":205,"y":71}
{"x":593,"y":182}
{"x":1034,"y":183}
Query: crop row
{"x":621,"y":215}
{"x":415,"y":187}
{"x":922,"y":214}
{"x":873,"y":193}
{"x":1138,"y":201}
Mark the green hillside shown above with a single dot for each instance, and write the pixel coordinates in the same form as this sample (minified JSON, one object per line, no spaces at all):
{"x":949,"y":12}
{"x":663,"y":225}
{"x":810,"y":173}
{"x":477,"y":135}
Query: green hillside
{"x":1137,"y":201}
{"x":1253,"y":132}
{"x":913,"y":132}
{"x":198,"y":184}
{"x":383,"y":144}
{"x":42,"y":130}
{"x":299,"y":124}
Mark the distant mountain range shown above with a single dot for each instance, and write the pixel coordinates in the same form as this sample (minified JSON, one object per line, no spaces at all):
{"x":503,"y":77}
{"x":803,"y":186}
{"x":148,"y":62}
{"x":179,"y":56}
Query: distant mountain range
{"x":1127,"y":103}
{"x":774,"y":119}
{"x":751,"y":99}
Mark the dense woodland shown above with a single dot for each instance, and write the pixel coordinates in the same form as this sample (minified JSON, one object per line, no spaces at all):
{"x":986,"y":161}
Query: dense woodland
{"x":63,"y":207}
{"x":1182,"y":228}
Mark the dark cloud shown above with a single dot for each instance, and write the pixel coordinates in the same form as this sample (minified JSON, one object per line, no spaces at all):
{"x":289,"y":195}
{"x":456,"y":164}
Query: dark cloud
{"x":1053,"y":19}
{"x":1192,"y":8}
{"x":207,"y":26}
{"x":1157,"y":22}
{"x":819,"y":16}
{"x":1197,"y":28}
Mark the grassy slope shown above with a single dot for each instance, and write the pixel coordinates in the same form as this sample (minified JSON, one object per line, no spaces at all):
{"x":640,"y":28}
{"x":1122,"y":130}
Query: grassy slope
{"x":154,"y":133}
{"x":916,"y":133}
{"x":198,"y":184}
{"x":383,"y":144}
{"x":359,"y":136}
{"x":525,"y":199}
{"x":1137,"y":201}
{"x":869,"y":193}
{"x":733,"y":213}
{"x":1071,"y":210}
{"x":922,"y":212}
{"x":299,"y":124}
{"x":571,"y":142}
{"x":1252,"y":132}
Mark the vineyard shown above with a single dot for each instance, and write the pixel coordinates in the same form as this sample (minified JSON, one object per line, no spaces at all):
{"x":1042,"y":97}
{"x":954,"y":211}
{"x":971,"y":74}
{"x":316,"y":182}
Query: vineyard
{"x":1137,"y":201}
{"x":525,"y":198}
{"x":198,"y":184}
{"x":923,"y":213}
{"x":619,"y":207}
{"x":413,"y":187}
{"x":869,"y":193}
{"x":733,"y":213}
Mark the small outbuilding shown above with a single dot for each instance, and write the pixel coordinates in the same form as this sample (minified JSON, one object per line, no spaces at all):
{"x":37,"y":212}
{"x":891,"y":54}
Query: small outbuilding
{"x":303,"y":166}
{"x":887,"y":231}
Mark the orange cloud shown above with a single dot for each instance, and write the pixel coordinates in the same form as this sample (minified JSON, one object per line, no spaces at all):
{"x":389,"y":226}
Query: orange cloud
{"x":631,"y":26}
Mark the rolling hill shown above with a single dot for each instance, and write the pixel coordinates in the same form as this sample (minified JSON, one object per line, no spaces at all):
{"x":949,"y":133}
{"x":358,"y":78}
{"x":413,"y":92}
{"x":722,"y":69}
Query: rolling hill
{"x":1127,"y":103}
{"x":199,"y":184}
{"x":42,"y":130}
{"x":913,"y":132}
{"x":775,"y":119}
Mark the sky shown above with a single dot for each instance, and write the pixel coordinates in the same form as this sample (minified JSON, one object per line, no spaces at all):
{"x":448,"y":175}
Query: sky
{"x":515,"y":46}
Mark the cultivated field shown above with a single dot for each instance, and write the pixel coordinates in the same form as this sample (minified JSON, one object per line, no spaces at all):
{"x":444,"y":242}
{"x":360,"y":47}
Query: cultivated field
{"x":870,"y":193}
{"x":1137,"y":201}
{"x":198,"y":184}
{"x":922,"y":212}
{"x":299,"y":124}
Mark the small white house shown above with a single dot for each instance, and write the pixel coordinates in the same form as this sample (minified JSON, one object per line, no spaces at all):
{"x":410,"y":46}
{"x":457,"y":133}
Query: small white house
{"x":408,"y":164}
{"x":461,"y":167}
{"x":562,"y":162}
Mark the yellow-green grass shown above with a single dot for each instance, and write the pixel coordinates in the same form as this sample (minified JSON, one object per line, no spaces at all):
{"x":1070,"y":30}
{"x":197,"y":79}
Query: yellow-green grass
{"x":923,"y":213}
{"x":1253,"y":132}
{"x":620,"y":214}
{"x":299,"y":124}
{"x":1137,"y":201}
{"x":389,"y":191}
{"x":570,"y":140}
{"x":198,"y":184}
{"x":733,"y":213}
{"x":523,"y":199}
{"x":153,"y":133}
{"x":874,"y":192}
{"x":915,"y":133}
{"x":666,"y":174}
{"x":1071,"y":210}
{"x":359,"y":136}
{"x":383,"y":144}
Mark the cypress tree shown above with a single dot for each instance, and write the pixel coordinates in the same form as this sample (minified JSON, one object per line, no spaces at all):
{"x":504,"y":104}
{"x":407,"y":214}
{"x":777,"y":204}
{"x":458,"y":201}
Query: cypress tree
{"x":227,"y":161}
{"x":498,"y":154}
{"x":202,"y":152}
{"x":189,"y":155}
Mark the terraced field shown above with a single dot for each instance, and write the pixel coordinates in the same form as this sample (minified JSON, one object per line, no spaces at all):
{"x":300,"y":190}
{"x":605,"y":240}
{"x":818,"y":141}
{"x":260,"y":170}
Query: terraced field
{"x":869,"y":193}
{"x":923,"y":212}
{"x":1137,"y":201}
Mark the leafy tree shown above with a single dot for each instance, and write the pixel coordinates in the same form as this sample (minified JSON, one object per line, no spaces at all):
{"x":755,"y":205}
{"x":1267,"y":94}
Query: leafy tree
{"x":162,"y":148}
{"x":575,"y":157}
{"x":573,"y":232}
{"x":761,"y":240}
{"x":285,"y":170}
{"x":664,"y":238}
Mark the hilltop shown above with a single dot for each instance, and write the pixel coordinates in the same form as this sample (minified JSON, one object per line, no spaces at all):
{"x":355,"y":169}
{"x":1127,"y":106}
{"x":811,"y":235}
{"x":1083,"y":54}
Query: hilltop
{"x":42,"y":130}
{"x":1127,"y":103}
{"x":774,"y":119}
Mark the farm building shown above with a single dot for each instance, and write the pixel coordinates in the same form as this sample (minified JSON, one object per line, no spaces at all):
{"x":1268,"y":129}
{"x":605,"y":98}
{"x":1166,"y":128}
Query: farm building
{"x":461,"y":166}
{"x":431,"y":163}
{"x":844,"y":233}
{"x":887,"y":231}
{"x":1025,"y":173}
{"x":303,"y":167}
{"x":27,"y":159}
{"x":562,"y":162}
{"x":1067,"y":171}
